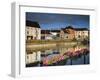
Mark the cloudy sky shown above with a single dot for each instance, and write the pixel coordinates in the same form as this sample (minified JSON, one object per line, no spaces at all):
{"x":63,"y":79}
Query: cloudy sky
{"x":58,"y":21}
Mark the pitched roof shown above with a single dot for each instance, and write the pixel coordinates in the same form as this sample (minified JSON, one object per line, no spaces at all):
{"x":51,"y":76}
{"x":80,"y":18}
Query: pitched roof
{"x":69,"y":27}
{"x":32,"y":24}
{"x":81,"y":29}
{"x":48,"y":31}
{"x":45,"y":31}
{"x":77,"y":29}
{"x":54,"y":30}
{"x":65,"y":31}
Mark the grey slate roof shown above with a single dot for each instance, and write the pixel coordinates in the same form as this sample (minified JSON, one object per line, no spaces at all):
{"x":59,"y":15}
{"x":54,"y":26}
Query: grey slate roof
{"x":32,"y":24}
{"x":77,"y":29}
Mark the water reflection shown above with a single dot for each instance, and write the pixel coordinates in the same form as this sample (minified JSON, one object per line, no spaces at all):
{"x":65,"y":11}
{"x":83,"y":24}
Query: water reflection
{"x":35,"y":58}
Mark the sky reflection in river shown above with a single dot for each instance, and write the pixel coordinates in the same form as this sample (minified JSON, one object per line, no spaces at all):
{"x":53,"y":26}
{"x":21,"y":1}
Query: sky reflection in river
{"x":36,"y":58}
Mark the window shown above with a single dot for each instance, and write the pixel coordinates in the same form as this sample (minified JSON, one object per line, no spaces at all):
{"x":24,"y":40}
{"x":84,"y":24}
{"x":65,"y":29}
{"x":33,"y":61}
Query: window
{"x":27,"y":32}
{"x":79,"y":36}
{"x":67,"y":37}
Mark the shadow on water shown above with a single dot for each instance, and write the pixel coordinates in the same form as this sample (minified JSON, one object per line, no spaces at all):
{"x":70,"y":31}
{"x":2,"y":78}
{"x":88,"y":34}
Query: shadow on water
{"x":77,"y":60}
{"x":83,"y":59}
{"x":80,"y":60}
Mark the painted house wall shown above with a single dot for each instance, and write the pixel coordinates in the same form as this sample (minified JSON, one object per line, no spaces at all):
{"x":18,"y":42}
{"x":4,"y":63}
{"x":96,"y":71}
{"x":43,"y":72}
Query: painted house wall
{"x":73,"y":33}
{"x":67,"y":34}
{"x":33,"y":33}
{"x":81,"y":34}
{"x":62,"y":34}
{"x":46,"y":36}
{"x":49,"y":35}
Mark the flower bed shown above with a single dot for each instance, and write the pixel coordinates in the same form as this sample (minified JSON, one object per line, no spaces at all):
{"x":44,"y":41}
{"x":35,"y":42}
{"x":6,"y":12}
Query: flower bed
{"x":59,"y":57}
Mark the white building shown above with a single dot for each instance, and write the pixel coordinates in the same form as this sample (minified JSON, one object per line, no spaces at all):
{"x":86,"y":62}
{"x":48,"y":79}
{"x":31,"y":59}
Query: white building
{"x":81,"y":33}
{"x":33,"y":31}
{"x":49,"y":34}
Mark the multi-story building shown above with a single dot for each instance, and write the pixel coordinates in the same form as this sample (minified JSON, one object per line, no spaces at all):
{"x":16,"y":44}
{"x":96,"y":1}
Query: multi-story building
{"x":74,"y":33}
{"x":67,"y":33}
{"x":81,"y":33}
{"x":45,"y":35}
{"x":33,"y":31}
{"x":49,"y":34}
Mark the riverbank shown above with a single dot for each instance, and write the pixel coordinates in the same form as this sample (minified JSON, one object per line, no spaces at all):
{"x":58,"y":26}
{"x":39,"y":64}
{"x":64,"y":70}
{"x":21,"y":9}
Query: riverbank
{"x":32,"y":42}
{"x":40,"y":47}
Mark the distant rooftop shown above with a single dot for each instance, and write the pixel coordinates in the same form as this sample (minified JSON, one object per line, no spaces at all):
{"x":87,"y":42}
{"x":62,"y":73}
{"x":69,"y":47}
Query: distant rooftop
{"x":45,"y":31}
{"x":81,"y":29}
{"x":69,"y":27}
{"x":77,"y":29}
{"x":48,"y":31}
{"x":32,"y":24}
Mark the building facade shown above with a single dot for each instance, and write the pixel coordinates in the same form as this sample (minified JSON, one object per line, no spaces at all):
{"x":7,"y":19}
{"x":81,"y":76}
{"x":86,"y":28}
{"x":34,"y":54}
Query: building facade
{"x":46,"y":35}
{"x":81,"y":33}
{"x":67,"y":33}
{"x":49,"y":34}
{"x":33,"y":31}
{"x":74,"y":33}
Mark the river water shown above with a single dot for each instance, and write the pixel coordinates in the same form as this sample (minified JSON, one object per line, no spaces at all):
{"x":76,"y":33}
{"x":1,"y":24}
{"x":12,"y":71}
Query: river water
{"x":34,"y":58}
